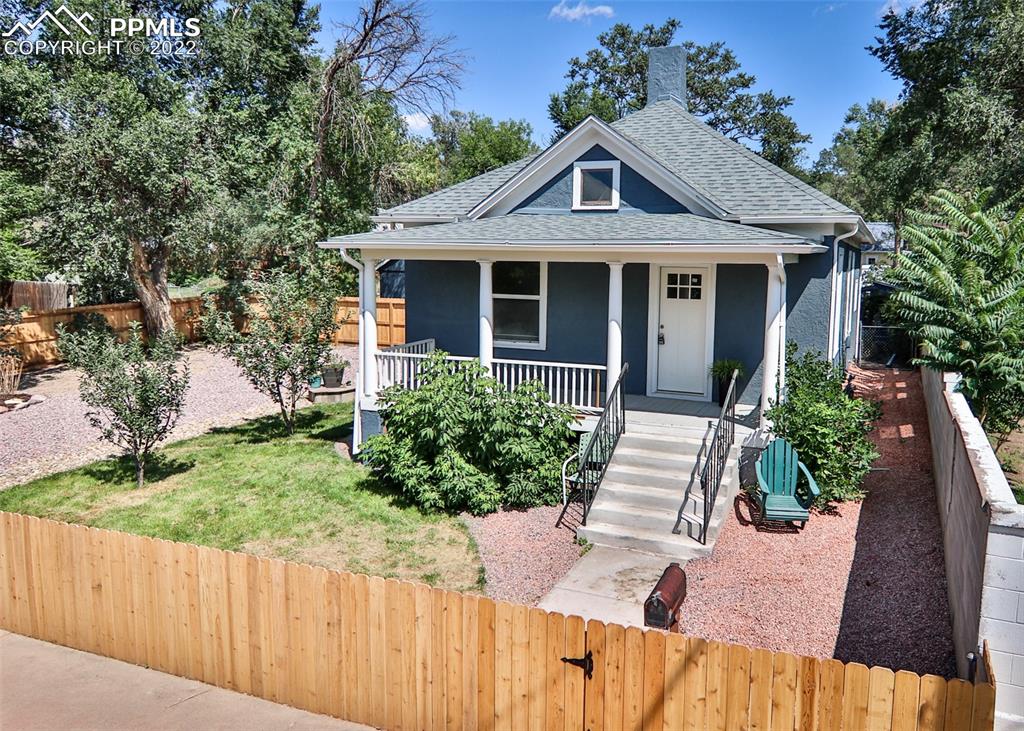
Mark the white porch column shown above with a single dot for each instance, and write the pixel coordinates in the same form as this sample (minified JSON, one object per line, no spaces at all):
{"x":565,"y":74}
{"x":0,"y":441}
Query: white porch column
{"x":368,"y":307}
{"x":774,"y":336}
{"x":486,"y":314}
{"x":614,"y":323}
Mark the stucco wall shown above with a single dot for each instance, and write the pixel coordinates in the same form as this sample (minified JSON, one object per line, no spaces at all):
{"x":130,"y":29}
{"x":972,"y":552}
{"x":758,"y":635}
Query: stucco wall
{"x":636,"y":193}
{"x":983,"y":536}
{"x":741,"y":291}
{"x":808,"y":292}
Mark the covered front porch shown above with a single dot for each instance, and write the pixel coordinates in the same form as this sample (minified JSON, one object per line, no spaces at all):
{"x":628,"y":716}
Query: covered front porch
{"x":591,"y":317}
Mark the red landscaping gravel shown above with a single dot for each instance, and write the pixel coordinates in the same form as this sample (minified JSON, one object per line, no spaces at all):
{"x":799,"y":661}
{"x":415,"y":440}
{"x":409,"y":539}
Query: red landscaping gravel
{"x":523,"y":552}
{"x":864,"y":584}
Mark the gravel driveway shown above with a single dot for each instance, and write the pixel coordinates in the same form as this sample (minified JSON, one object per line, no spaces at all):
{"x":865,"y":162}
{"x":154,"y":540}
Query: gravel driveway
{"x":54,"y":435}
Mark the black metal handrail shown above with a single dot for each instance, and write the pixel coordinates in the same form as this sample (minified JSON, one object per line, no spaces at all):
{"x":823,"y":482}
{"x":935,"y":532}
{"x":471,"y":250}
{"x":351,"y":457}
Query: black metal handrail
{"x":610,"y":426}
{"x":717,"y":454}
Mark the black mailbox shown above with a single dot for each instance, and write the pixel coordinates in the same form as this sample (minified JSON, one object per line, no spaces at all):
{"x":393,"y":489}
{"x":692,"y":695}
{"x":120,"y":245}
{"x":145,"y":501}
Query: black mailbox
{"x":661,"y":607}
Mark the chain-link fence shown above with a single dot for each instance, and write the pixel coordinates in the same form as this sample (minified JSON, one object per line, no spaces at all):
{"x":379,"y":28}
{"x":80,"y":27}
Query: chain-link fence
{"x":885,"y":345}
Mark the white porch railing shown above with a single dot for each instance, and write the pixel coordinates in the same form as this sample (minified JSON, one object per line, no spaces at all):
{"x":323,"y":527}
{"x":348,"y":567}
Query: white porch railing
{"x":575,"y":384}
{"x":416,"y":347}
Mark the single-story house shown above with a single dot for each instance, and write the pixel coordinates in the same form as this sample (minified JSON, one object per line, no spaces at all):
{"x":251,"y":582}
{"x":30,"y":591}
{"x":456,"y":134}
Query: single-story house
{"x":654,"y":240}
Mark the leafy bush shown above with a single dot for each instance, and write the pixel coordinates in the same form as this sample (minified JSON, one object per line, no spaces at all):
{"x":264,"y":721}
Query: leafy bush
{"x":462,"y":441}
{"x":828,"y":428}
{"x":290,"y":323}
{"x":135,"y":393}
{"x":961,"y":293}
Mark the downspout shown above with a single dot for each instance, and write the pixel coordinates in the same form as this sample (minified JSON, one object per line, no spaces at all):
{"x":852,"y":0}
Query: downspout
{"x":834,"y":315}
{"x":780,"y":272}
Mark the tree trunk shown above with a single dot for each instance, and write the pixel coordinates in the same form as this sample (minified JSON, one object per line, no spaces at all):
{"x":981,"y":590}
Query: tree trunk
{"x":140,"y":473}
{"x":149,"y":275}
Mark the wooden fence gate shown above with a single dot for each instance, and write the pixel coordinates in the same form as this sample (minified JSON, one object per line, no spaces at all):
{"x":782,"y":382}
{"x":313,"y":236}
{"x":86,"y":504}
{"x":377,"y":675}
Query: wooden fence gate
{"x":408,"y":657}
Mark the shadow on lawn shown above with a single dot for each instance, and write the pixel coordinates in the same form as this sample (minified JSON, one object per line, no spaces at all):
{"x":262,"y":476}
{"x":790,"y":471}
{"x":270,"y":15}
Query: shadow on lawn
{"x":269,"y":428}
{"x":158,"y":467}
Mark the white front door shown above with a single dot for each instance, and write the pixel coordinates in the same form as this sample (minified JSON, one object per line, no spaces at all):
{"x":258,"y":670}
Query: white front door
{"x":682,"y":329}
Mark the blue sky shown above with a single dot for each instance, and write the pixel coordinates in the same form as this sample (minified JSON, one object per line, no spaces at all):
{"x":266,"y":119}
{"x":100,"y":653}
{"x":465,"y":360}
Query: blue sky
{"x":519,"y":51}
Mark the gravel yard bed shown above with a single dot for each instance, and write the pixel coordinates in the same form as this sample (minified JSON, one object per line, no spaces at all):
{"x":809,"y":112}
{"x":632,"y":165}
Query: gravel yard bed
{"x":54,"y":435}
{"x":523,"y":552}
{"x":865,"y":583}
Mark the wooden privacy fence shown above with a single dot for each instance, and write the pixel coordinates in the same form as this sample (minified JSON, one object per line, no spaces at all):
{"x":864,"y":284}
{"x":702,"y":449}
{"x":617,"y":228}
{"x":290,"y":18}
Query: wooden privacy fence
{"x":34,"y":295}
{"x":404,"y":656}
{"x":35,"y":337}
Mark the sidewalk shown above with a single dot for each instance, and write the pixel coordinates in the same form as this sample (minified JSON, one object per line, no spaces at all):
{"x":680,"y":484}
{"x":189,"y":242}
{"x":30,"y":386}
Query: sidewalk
{"x":47,"y":687}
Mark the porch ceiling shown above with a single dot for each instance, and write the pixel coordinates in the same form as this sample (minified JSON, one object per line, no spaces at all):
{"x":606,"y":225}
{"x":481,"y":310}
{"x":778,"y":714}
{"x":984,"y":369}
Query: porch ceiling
{"x":593,"y":230}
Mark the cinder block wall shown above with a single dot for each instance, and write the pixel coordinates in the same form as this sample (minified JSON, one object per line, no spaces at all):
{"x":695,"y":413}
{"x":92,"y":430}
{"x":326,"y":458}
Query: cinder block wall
{"x":983,"y":536}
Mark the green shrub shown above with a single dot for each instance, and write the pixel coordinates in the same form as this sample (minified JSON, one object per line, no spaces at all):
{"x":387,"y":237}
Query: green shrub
{"x":462,"y":441}
{"x":828,"y":428}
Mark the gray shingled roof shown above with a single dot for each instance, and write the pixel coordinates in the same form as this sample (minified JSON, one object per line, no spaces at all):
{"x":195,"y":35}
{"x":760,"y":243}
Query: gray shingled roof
{"x":585,"y":229}
{"x":885,"y":236}
{"x":458,"y":199}
{"x":736,"y":179}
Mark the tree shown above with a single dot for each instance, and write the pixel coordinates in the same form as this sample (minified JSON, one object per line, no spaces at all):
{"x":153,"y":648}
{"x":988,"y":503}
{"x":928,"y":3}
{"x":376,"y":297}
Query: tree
{"x":291,"y":319}
{"x":960,"y":123}
{"x":135,"y":391}
{"x":857,"y":170}
{"x":961,"y":293}
{"x":611,"y":81}
{"x":124,"y":190}
{"x":471,"y":144}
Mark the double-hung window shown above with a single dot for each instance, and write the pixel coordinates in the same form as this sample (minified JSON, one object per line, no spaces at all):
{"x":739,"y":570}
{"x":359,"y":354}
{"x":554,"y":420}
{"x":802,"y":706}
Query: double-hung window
{"x":520,"y":292}
{"x":595,"y":185}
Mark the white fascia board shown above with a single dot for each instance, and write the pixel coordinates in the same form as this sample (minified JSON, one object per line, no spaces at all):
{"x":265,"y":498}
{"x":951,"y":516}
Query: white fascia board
{"x":413,"y":218}
{"x":559,"y":245}
{"x":863,"y":231}
{"x":561,"y":154}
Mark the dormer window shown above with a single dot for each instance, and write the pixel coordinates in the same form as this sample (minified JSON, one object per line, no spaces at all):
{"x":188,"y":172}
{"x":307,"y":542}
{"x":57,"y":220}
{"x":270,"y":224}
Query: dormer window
{"x":595,"y":185}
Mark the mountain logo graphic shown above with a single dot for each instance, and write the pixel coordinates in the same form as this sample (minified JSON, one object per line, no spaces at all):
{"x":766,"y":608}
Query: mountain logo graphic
{"x":70,"y":19}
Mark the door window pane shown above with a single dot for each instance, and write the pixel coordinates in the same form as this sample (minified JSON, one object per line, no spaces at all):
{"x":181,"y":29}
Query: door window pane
{"x":517,"y":320}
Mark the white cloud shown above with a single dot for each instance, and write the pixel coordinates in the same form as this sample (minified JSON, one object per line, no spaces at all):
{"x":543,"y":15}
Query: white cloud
{"x":828,"y":8}
{"x":580,"y":11}
{"x":898,"y":6}
{"x":417,"y":122}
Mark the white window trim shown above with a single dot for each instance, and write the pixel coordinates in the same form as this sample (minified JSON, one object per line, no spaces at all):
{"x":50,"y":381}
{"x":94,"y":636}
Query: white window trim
{"x":542,"y":344}
{"x":577,"y":184}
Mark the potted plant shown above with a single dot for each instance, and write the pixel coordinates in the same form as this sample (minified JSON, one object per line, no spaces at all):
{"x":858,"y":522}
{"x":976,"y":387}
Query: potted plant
{"x":721,"y":371}
{"x":334,"y":373}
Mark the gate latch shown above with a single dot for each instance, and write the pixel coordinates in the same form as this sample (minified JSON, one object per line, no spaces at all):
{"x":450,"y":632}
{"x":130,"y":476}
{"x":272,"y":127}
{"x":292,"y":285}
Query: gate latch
{"x":586,"y":662}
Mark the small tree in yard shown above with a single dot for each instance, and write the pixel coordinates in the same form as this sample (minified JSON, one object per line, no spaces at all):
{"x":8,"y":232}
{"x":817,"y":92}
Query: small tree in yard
{"x":135,"y":391}
{"x":961,"y":293}
{"x":826,"y":427}
{"x":291,"y":319}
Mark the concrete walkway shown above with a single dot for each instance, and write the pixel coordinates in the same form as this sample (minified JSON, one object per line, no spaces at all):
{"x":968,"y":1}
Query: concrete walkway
{"x":609,"y":584}
{"x":49,"y":687}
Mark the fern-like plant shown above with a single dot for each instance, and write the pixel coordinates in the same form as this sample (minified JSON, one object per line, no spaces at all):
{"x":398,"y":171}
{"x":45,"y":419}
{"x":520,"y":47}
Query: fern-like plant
{"x":961,"y":293}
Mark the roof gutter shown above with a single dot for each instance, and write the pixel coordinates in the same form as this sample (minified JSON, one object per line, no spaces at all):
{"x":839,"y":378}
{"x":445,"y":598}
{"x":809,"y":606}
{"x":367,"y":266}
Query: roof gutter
{"x":744,"y":247}
{"x":414,"y":218}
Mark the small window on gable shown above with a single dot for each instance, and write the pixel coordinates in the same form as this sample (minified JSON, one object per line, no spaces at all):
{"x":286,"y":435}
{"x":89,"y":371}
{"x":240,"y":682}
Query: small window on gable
{"x":595,"y":185}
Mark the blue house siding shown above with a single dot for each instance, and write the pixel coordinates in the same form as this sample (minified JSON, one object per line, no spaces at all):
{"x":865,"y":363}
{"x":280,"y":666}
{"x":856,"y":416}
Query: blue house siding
{"x":636,"y":193}
{"x":442,"y":300}
{"x":741,"y":291}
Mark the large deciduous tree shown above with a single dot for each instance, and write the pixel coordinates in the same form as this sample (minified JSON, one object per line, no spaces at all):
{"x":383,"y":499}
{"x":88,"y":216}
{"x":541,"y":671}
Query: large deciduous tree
{"x":470,"y":144}
{"x":611,"y":81}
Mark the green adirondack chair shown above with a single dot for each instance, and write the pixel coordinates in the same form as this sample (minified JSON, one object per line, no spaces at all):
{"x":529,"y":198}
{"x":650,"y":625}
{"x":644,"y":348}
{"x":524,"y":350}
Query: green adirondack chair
{"x":780,"y":497}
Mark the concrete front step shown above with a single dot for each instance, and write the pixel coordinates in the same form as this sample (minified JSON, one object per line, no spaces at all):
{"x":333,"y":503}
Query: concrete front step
{"x":645,"y":496}
{"x":680,"y":547}
{"x":670,"y":444}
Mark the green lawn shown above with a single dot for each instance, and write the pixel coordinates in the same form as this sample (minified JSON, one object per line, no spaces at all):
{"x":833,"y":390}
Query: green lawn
{"x":253,"y":488}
